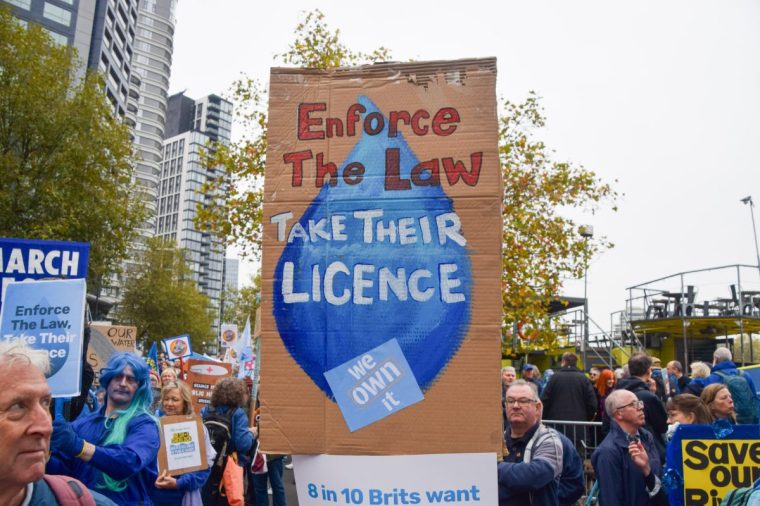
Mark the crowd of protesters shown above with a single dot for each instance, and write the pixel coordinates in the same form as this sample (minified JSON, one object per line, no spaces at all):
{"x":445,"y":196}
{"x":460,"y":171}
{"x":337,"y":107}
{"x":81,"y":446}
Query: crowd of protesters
{"x":109,"y":451}
{"x":639,"y":405}
{"x":106,"y":450}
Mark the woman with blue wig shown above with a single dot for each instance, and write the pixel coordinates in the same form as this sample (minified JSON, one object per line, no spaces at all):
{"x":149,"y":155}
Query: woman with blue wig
{"x":114,"y":449}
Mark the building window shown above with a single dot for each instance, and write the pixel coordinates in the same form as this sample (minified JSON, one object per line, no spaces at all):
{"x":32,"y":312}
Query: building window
{"x":24,"y":4}
{"x":57,"y":14}
{"x":58,"y":38}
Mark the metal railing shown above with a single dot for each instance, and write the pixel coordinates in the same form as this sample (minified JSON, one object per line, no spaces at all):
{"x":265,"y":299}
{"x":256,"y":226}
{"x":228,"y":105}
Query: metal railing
{"x":586,"y":437}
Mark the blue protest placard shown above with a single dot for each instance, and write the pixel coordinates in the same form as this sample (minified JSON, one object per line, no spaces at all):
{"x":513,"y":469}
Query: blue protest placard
{"x":178,"y":346}
{"x":374,"y":385}
{"x":705,"y":462}
{"x":49,"y":315}
{"x":22,"y":259}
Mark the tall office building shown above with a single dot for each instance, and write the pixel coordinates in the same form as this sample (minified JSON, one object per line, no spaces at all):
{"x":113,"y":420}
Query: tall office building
{"x":102,"y":31}
{"x":231,"y":273}
{"x":152,"y":62}
{"x":130,"y":42}
{"x":191,"y":125}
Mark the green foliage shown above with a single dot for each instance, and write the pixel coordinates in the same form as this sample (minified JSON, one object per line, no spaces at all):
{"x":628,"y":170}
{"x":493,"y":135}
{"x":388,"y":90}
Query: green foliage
{"x":161,"y":298}
{"x":239,"y":305}
{"x":317,"y":47}
{"x":64,"y":158}
{"x":243,"y":161}
{"x":541,"y":245}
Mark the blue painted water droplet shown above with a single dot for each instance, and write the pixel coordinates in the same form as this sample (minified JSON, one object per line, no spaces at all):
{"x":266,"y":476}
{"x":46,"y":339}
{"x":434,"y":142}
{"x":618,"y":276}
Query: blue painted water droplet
{"x":319,"y":335}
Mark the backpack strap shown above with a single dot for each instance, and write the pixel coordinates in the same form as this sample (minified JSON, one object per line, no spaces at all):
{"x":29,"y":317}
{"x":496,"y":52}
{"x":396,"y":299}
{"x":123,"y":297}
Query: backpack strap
{"x":69,"y":491}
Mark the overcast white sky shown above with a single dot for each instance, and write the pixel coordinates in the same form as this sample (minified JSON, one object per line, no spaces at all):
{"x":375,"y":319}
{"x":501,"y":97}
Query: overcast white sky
{"x":662,"y":96}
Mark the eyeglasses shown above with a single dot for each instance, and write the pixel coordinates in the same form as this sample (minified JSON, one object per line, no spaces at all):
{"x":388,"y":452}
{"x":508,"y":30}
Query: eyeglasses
{"x":522,"y":401}
{"x":636,"y":405}
{"x":131,"y":380}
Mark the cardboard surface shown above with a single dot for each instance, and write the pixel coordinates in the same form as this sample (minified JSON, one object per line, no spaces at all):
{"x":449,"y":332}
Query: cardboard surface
{"x":106,"y":340}
{"x":183,"y":445}
{"x":202,"y":375}
{"x":382,"y":220}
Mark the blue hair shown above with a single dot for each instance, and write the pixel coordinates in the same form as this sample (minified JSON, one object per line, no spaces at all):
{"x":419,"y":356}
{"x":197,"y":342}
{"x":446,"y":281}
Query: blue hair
{"x":116,"y":428}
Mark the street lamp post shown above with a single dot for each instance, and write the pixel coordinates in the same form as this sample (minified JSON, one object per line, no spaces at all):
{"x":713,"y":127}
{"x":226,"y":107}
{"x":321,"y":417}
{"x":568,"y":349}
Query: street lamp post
{"x":748,"y":200}
{"x":587,"y":232}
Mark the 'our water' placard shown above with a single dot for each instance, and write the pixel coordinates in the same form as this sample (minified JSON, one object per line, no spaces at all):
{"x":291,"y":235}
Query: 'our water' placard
{"x":49,"y":315}
{"x":374,"y":385}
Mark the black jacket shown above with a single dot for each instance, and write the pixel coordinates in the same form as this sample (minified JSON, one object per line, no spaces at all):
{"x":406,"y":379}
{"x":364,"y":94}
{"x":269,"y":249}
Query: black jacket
{"x":569,"y":396}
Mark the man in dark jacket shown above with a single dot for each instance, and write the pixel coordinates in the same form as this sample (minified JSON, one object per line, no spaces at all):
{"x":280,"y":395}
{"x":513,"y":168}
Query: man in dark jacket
{"x":569,"y":395}
{"x":626,"y":463}
{"x":531,"y":471}
{"x":656,"y":418}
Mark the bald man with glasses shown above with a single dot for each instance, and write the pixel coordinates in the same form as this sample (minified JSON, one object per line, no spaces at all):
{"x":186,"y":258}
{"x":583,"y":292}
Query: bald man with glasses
{"x":627,"y":463}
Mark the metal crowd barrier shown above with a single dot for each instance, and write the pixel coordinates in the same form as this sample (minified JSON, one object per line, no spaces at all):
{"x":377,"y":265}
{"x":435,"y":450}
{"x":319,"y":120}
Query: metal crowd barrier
{"x":586,"y":436}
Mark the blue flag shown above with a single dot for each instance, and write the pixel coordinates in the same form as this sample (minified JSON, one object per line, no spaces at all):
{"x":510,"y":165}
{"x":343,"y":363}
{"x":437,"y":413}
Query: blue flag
{"x":152,"y":358}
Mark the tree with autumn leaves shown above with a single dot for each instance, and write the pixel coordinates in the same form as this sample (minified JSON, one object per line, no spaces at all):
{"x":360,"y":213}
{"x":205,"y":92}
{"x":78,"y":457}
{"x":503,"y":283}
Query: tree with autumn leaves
{"x":541,"y":245}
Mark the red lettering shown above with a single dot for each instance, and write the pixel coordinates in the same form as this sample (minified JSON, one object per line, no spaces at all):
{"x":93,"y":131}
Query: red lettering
{"x":352,"y":118}
{"x":334,"y":127}
{"x":377,"y":119}
{"x":416,"y":128}
{"x":297,"y":158}
{"x":426,"y":173}
{"x":324,"y":169}
{"x":305,"y":121}
{"x":392,"y":171}
{"x":445,"y":116}
{"x":395,"y":117}
{"x":456,"y":170}
{"x":353,"y":173}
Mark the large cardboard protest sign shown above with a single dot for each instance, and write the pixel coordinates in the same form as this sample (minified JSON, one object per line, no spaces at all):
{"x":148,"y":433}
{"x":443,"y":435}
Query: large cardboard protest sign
{"x":706,"y":462}
{"x":381,"y":264}
{"x":49,"y":315}
{"x":106,"y":340}
{"x":24,"y":259}
{"x":202,"y":375}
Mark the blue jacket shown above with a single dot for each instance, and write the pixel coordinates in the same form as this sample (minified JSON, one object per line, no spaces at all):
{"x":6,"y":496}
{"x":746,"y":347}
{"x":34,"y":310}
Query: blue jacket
{"x":729,"y":368}
{"x":185,"y":483}
{"x":572,"y":483}
{"x":134,"y":460}
{"x":621,"y":483}
{"x":533,"y":476}
{"x":242,"y":439}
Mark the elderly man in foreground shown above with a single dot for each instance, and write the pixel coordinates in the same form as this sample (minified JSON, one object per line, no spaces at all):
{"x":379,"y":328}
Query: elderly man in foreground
{"x":25,"y":429}
{"x":627,"y":463}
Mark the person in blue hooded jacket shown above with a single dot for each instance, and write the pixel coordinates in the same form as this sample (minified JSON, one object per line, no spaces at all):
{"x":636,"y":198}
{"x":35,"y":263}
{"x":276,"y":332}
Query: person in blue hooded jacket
{"x":747,"y":406}
{"x":114,"y":449}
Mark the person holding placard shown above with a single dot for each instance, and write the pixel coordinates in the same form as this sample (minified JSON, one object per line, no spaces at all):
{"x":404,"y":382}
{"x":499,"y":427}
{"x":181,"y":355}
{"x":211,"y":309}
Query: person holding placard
{"x":114,"y":449}
{"x":185,"y":489}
